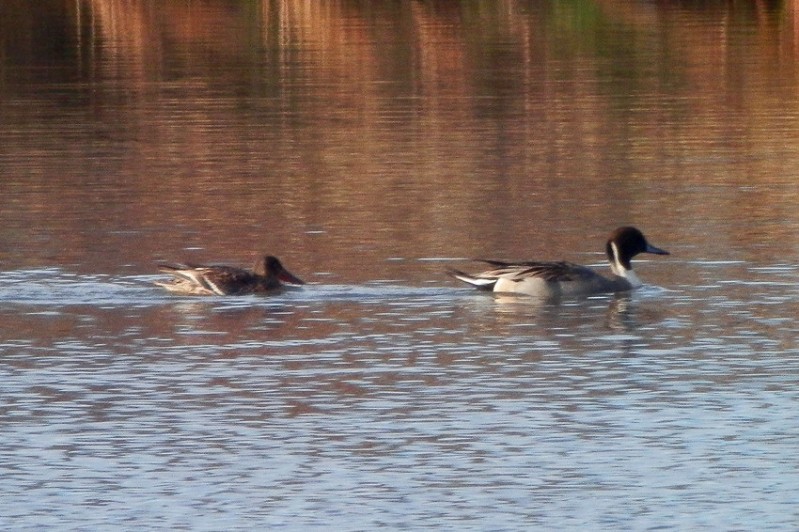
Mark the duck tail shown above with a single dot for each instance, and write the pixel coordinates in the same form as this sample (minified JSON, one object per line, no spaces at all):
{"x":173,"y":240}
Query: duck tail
{"x":171,"y":267}
{"x":482,"y":283}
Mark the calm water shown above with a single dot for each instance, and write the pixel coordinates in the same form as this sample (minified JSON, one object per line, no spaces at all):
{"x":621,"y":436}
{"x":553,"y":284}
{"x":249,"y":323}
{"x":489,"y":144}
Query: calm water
{"x":370,"y":146}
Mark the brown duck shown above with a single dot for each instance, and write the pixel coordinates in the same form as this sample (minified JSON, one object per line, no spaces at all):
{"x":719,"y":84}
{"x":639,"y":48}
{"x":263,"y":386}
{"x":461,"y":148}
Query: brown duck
{"x":267,"y":275}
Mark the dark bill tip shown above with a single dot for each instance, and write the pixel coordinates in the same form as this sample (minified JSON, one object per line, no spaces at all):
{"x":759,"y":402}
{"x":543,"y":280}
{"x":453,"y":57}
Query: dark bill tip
{"x":657,"y":251}
{"x":288,"y":277}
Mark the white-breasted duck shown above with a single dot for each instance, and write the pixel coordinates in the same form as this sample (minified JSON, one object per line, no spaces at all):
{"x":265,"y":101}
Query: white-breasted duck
{"x":564,"y":279}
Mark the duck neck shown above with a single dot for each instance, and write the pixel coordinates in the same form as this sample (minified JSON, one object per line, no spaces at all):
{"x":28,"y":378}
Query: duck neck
{"x":630,"y":276}
{"x":622,"y":268}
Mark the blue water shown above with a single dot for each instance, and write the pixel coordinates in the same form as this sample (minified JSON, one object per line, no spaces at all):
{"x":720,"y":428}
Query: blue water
{"x":355,"y":407}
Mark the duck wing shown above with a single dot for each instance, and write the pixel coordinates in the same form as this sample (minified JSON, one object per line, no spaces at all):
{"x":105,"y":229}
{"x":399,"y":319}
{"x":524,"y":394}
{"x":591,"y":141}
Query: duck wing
{"x":560,"y":271}
{"x":221,"y":280}
{"x":227,"y":280}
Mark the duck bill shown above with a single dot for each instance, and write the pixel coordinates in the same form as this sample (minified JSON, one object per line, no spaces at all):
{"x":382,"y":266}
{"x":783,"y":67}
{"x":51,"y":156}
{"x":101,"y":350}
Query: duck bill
{"x":286,"y":276}
{"x":657,"y":251}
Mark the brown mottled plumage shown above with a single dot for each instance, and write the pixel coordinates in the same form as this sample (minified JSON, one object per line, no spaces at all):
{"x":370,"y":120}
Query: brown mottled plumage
{"x":267,"y":275}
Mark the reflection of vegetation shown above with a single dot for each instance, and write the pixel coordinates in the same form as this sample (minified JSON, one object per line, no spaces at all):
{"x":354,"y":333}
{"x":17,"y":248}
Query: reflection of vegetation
{"x":733,"y":6}
{"x":303,"y":100}
{"x":47,"y":33}
{"x":266,"y":46}
{"x":40,"y":34}
{"x":271,"y":44}
{"x":574,"y":20}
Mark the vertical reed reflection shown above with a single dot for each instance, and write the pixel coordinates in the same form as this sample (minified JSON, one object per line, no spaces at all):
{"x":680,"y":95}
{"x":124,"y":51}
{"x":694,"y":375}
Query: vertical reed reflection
{"x":390,"y":129}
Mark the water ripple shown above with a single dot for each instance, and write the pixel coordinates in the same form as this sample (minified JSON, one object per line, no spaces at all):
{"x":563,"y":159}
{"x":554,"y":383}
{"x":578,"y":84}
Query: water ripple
{"x":297,"y":409}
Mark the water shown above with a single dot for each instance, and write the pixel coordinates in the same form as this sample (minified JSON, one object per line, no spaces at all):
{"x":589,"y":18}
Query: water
{"x":370,"y":147}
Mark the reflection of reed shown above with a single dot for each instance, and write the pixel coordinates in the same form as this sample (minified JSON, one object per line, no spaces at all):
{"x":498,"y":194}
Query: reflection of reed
{"x":144,"y":40}
{"x":353,"y":40}
{"x":129,"y":34}
{"x":435,"y":114}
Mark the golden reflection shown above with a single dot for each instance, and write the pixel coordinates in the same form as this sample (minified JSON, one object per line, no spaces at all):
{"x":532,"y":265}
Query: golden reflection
{"x":437,"y":114}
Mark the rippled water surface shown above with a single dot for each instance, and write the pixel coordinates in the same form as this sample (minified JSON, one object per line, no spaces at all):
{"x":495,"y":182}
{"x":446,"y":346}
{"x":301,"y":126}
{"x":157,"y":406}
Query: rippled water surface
{"x":371,"y":147}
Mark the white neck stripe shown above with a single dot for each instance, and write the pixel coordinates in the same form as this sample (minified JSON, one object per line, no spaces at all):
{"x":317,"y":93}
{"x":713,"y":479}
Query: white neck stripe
{"x":615,"y":264}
